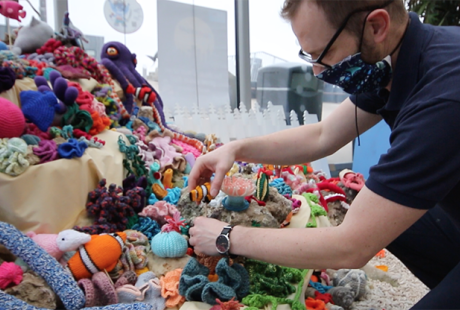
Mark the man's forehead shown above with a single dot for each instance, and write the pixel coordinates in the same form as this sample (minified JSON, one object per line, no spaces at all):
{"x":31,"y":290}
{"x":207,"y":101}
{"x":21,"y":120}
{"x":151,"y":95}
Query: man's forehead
{"x":311,"y":27}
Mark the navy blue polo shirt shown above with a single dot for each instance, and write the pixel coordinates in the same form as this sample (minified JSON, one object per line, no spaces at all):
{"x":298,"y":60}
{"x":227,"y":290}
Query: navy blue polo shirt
{"x":422,"y":166}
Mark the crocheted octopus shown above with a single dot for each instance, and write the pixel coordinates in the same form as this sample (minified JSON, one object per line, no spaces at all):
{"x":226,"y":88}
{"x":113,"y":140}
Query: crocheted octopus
{"x":121,"y":63}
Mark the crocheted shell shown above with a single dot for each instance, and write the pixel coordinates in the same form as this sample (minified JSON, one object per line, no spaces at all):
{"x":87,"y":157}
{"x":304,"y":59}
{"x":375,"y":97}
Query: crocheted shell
{"x":169,"y":245}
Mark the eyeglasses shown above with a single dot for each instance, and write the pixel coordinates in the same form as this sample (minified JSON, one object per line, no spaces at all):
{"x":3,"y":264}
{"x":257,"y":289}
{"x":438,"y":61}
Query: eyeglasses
{"x":318,"y":62}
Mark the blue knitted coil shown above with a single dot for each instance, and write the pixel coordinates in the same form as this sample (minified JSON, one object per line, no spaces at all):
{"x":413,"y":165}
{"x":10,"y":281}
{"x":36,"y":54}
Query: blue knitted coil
{"x":281,"y":186}
{"x":173,"y":195}
{"x":169,"y":245}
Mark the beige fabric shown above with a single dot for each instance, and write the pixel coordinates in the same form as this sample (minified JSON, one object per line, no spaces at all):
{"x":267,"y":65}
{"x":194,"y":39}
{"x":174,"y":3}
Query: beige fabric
{"x":20,"y":85}
{"x":48,"y":198}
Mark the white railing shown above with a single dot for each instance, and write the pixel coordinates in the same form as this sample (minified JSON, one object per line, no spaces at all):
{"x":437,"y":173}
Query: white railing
{"x":241,"y":123}
{"x":230,"y":125}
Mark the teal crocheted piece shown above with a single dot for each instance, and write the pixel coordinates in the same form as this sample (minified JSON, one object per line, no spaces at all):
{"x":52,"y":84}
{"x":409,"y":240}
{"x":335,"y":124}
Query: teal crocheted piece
{"x":194,"y":284}
{"x":281,"y":186}
{"x":270,"y":279}
{"x":173,"y":195}
{"x":169,"y":244}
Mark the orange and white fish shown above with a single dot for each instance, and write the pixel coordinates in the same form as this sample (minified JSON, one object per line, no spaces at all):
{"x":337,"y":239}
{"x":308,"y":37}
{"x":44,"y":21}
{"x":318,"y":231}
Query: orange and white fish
{"x":101,"y":253}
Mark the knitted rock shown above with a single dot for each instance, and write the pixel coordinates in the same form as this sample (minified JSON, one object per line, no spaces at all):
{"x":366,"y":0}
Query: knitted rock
{"x":355,"y":279}
{"x":12,"y":122}
{"x":34,"y":291}
{"x":342,"y":296}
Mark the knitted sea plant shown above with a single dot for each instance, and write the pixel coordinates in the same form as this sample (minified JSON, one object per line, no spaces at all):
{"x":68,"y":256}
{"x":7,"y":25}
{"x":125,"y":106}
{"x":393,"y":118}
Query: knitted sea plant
{"x":262,"y":186}
{"x":270,"y":279}
{"x":237,"y":189}
{"x":169,"y":242}
{"x":111,"y":211}
{"x":316,"y":209}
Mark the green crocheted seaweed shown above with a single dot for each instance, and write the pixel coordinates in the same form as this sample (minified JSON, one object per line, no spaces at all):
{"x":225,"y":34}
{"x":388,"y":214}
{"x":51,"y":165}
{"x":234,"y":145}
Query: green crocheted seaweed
{"x":258,"y":301}
{"x":316,"y":209}
{"x":132,"y":163}
{"x":270,"y":279}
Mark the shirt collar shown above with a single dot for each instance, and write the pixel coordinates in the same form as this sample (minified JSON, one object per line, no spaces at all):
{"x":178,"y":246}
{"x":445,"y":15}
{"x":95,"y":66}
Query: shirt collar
{"x":405,"y":74}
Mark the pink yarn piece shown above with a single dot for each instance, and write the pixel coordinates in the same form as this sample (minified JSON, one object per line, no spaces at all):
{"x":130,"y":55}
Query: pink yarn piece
{"x":32,"y":129}
{"x":186,"y":148}
{"x":47,"y":151}
{"x":159,"y":211}
{"x":238,"y":187}
{"x":10,"y":273}
{"x":98,"y":107}
{"x":140,"y":133}
{"x":47,"y":242}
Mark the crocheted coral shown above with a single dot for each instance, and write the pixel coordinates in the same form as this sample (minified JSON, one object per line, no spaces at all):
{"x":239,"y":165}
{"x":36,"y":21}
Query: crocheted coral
{"x":281,"y":186}
{"x":170,"y":288}
{"x":270,"y":279}
{"x":159,"y":211}
{"x":187,"y":148}
{"x":110,"y":209}
{"x":100,"y":123}
{"x":46,"y":151}
{"x":12,"y":156}
{"x":137,"y":246}
{"x":194,"y":285}
{"x":147,"y":226}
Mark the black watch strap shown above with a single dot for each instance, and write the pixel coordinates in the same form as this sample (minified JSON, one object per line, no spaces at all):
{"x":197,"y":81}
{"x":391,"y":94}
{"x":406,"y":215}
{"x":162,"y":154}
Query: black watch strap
{"x":223,"y":243}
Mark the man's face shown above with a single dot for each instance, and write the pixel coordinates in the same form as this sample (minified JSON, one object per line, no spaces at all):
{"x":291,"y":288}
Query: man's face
{"x":314,"y":32}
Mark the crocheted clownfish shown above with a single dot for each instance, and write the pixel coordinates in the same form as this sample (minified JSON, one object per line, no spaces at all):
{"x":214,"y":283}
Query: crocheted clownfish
{"x":101,"y":253}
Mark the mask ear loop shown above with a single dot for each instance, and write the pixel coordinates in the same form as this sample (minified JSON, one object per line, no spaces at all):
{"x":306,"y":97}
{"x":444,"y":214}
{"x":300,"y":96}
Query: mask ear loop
{"x":357,"y":95}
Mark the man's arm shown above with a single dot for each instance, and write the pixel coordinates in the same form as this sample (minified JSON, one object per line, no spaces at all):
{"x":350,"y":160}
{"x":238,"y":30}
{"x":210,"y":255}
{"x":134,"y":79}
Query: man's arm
{"x":371,"y":223}
{"x":306,"y":143}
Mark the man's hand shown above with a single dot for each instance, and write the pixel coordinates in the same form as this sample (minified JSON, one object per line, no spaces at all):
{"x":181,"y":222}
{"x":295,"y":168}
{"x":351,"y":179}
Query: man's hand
{"x":204,"y":233}
{"x":219,"y":162}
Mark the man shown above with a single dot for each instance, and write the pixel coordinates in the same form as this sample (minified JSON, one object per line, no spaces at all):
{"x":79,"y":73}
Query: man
{"x":397,"y":69}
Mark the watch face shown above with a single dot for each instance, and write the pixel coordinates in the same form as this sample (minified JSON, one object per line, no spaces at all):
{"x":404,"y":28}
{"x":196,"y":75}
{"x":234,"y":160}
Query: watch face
{"x":222,"y":244}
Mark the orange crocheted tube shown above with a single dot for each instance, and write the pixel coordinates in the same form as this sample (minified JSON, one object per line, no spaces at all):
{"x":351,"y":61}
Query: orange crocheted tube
{"x":170,"y":288}
{"x":167,"y":178}
{"x":159,"y":192}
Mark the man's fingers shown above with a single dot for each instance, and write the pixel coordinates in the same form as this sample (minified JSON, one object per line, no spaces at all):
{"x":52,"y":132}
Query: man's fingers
{"x":217,"y":182}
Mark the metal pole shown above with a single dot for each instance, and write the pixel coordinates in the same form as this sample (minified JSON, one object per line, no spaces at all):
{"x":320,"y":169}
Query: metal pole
{"x":60,"y":8}
{"x":42,"y":9}
{"x":243,"y":55}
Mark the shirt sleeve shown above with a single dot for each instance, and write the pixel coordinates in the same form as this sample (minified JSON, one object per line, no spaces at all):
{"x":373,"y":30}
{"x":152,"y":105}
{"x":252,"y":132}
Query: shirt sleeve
{"x":423,"y":163}
{"x":369,"y":102}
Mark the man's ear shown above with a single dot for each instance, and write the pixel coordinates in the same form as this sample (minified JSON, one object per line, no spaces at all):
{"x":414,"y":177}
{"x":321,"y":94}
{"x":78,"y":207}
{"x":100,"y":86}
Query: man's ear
{"x":378,"y":25}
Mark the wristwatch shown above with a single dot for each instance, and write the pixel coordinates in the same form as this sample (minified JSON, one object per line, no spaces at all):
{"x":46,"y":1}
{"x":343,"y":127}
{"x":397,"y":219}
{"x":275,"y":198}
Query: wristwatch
{"x":223,"y":241}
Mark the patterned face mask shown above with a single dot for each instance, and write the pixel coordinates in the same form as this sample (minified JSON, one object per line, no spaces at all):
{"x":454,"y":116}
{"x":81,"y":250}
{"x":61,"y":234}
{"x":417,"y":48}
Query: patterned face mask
{"x":356,"y":76}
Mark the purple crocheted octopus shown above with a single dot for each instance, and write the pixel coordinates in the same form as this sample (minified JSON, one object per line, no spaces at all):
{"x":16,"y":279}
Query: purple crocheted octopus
{"x":121,"y":63}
